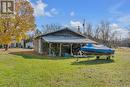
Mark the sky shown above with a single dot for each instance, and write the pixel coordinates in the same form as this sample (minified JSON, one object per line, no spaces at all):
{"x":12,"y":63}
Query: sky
{"x":73,"y":12}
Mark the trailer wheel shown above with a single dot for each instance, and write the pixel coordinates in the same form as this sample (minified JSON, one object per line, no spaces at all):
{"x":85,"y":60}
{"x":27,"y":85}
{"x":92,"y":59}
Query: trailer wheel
{"x":97,"y":57}
{"x":109,"y":57}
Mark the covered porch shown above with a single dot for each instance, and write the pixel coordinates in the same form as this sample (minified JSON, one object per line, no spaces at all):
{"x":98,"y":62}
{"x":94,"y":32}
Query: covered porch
{"x":52,"y":46}
{"x":63,"y":49}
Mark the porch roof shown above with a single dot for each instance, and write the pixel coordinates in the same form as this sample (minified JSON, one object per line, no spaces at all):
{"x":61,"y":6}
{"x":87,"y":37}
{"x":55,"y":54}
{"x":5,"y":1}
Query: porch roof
{"x":64,"y":39}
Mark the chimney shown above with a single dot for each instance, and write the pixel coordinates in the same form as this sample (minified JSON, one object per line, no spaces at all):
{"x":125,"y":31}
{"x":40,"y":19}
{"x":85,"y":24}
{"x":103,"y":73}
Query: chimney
{"x":79,"y":29}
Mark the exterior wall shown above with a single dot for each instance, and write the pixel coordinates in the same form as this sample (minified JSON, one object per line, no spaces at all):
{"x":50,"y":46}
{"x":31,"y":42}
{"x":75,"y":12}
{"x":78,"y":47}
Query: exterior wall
{"x":38,"y":45}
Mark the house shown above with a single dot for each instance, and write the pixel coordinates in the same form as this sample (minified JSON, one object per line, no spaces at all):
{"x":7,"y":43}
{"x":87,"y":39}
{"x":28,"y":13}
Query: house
{"x":21,"y":44}
{"x":29,"y":45}
{"x":62,"y":42}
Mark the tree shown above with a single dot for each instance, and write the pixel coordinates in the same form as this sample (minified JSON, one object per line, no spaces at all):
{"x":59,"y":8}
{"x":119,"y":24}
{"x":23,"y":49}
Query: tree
{"x":105,"y":34}
{"x":104,"y":31}
{"x":50,"y":28}
{"x":97,"y":33}
{"x":16,"y":28}
{"x":88,"y":30}
{"x":37,"y":32}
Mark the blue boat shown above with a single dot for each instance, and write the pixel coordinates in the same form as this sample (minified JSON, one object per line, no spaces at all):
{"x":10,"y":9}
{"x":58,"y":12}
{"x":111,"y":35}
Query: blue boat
{"x":98,"y":49}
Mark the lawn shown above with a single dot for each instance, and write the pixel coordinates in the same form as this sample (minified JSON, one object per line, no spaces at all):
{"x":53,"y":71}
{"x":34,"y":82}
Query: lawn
{"x":25,"y":69}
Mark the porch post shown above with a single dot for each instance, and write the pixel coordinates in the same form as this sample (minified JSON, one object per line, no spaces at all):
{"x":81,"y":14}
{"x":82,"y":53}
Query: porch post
{"x":81,"y":45}
{"x":60,"y":49}
{"x":40,"y":46}
{"x":71,"y":49}
{"x":49,"y":49}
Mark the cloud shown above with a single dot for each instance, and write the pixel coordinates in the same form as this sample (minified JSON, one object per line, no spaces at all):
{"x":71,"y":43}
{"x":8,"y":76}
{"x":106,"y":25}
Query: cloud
{"x":114,"y":26}
{"x":121,"y":32}
{"x":75,"y":23}
{"x":51,"y":13}
{"x":124,"y":19}
{"x":40,"y":9}
{"x":120,"y":16}
{"x":54,"y":11}
{"x":48,"y":14}
{"x":115,"y":8}
{"x":28,"y":0}
{"x":72,"y":13}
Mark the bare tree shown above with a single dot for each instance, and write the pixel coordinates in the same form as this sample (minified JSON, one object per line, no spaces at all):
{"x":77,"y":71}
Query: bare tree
{"x":50,"y":28}
{"x":104,"y":34}
{"x":97,"y":33}
{"x":126,"y":41}
{"x":88,"y":30}
{"x":37,"y":32}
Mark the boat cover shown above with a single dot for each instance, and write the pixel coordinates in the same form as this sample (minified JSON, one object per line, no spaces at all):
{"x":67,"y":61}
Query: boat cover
{"x":96,"y":49}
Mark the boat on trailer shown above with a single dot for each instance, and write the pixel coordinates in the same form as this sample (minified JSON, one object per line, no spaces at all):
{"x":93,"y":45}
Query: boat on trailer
{"x":98,"y":50}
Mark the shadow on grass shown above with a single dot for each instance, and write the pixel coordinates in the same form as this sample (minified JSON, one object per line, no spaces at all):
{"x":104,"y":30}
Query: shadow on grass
{"x":93,"y":62}
{"x":33,"y":55}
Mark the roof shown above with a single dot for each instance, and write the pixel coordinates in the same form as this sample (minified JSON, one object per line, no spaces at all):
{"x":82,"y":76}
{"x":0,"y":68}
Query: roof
{"x":65,"y":35}
{"x":62,"y":39}
{"x":58,"y":30}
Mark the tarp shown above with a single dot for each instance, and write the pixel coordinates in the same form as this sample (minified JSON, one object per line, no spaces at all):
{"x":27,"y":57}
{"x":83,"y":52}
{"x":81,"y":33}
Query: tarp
{"x":97,"y":49}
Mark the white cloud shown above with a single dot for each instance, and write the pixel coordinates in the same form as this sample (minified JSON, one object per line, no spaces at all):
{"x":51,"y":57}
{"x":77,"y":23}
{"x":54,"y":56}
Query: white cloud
{"x":124,"y":19}
{"x":114,"y":26}
{"x":54,"y":11}
{"x":40,"y":9}
{"x":72,"y":13}
{"x":48,"y":14}
{"x":121,"y":32}
{"x":28,"y":0}
{"x":118,"y":15}
{"x":75,"y":23}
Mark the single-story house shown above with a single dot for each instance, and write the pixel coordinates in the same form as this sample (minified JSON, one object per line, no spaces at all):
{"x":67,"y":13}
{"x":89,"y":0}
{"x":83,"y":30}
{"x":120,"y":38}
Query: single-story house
{"x":29,"y":45}
{"x":21,"y":44}
{"x":62,"y":42}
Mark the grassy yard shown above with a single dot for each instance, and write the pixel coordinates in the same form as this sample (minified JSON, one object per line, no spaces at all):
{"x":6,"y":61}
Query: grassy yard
{"x":24,"y":69}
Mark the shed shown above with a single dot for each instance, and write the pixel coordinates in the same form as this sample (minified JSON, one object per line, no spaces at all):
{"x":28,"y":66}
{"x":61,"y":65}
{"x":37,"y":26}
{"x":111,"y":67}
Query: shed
{"x":61,"y":42}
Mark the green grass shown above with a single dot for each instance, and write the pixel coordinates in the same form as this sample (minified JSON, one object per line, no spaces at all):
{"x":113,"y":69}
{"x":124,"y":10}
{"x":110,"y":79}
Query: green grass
{"x":25,"y":70}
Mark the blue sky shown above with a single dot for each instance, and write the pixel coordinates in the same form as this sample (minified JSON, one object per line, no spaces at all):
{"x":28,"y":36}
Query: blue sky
{"x":72,"y":12}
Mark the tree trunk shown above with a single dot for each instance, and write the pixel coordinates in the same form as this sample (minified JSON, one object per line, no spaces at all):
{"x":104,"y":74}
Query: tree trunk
{"x":6,"y":47}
